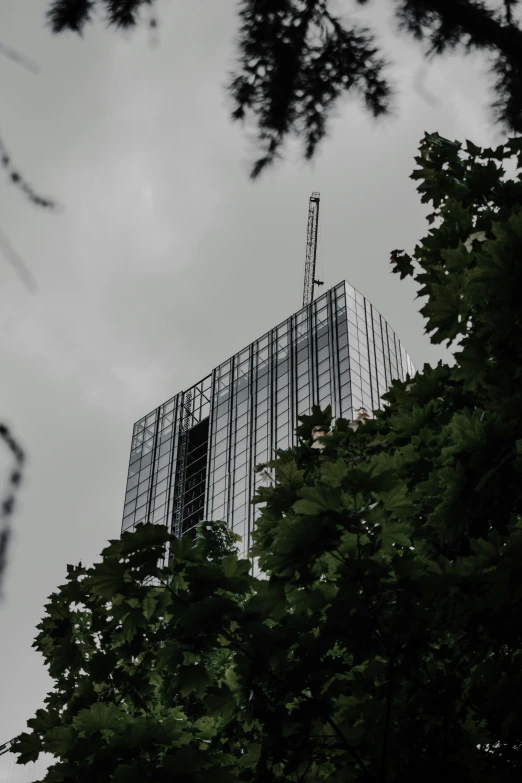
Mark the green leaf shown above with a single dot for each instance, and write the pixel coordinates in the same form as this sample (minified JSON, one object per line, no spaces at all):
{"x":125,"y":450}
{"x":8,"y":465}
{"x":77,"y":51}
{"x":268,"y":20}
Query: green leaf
{"x":106,"y":580}
{"x":43,"y":721}
{"x":99,"y":716}
{"x":472,"y":148}
{"x":333,"y":473}
{"x":60,"y":741}
{"x":27,"y":747}
{"x":193,"y":678}
{"x":148,"y":606}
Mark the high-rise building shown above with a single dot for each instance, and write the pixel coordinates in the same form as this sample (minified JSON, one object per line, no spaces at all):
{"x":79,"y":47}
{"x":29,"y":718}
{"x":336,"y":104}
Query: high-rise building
{"x":193,"y":458}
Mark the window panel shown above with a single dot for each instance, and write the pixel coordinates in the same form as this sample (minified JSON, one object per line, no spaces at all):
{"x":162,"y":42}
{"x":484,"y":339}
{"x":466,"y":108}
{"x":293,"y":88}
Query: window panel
{"x":143,"y":486}
{"x":146,"y":465}
{"x":241,"y":408}
{"x":241,"y":420}
{"x":344,"y":365}
{"x":240,"y":485}
{"x":221,"y":448}
{"x":218,"y":485}
{"x":302,"y":383}
{"x":282,"y":419}
{"x":262,"y":407}
{"x":219,"y":499}
{"x":131,"y":494}
{"x":141,"y":500}
{"x":261,"y":420}
{"x":166,"y":434}
{"x":240,"y":471}
{"x":345,"y":376}
{"x":164,"y":448}
{"x":160,"y":499}
{"x":220,"y":460}
{"x":302,"y":360}
{"x":163,"y":461}
{"x":261,"y":445}
{"x":342,"y":340}
{"x":322,"y":341}
{"x":262,"y":432}
{"x":282,"y":437}
{"x":241,"y":447}
{"x":241,"y":433}
{"x":240,"y":528}
{"x":129,"y":507}
{"x":140,"y":514}
{"x":159,"y":514}
{"x":325,"y":384}
{"x":323,"y":366}
{"x":161,"y":487}
{"x":133,"y":481}
{"x":163,"y":473}
{"x":219,"y":473}
{"x":283,"y":394}
{"x":238,"y":515}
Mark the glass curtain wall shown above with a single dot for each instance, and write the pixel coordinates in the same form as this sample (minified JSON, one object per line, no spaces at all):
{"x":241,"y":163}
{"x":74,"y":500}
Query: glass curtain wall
{"x":193,"y":457}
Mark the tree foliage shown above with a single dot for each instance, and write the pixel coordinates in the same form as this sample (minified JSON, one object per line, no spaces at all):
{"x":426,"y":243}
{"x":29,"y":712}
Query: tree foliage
{"x":298,"y":57}
{"x":385,"y":642}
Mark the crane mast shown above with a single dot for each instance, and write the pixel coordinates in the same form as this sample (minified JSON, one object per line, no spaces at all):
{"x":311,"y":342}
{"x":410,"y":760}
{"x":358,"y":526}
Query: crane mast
{"x":311,"y":250}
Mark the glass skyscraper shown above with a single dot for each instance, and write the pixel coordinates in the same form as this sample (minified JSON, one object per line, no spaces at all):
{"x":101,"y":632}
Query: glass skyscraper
{"x":193,"y":458}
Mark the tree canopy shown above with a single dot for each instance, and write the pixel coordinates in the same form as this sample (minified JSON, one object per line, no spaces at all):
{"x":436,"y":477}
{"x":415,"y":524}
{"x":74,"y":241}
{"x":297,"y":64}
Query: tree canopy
{"x":296,"y":58}
{"x":384,"y":643}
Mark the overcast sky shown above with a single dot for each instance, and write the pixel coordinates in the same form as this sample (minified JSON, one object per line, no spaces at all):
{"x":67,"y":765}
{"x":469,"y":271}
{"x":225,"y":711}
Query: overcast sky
{"x":167,"y":259}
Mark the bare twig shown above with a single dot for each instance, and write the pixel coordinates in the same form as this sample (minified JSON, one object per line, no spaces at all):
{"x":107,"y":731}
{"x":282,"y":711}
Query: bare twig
{"x":19,"y":58}
{"x":18,"y":264}
{"x":6,"y":508}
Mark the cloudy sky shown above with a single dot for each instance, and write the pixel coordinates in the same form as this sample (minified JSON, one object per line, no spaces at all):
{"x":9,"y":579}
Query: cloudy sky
{"x":166,"y":259}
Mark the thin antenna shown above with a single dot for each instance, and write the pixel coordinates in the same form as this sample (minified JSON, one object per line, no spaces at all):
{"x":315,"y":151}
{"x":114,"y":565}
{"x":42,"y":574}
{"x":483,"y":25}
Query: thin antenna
{"x":311,"y":250}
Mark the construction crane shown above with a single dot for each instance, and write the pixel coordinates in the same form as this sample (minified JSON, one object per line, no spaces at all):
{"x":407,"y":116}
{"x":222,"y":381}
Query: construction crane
{"x":6,"y":747}
{"x":311,"y":250}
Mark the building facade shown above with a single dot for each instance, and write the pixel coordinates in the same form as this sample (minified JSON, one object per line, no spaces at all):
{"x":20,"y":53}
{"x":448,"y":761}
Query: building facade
{"x":193,"y":458}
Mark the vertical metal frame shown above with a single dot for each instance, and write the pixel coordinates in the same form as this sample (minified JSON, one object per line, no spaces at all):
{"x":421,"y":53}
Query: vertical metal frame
{"x":211,"y":437}
{"x":152,"y":466}
{"x":292,"y":371}
{"x":231,"y":439}
{"x":331,"y":304}
{"x":172,"y":463}
{"x":252,"y":399}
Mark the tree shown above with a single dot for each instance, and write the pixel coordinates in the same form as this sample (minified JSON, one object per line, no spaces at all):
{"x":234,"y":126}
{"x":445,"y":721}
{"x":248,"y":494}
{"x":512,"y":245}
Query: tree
{"x":385,"y":643}
{"x":297,"y":57}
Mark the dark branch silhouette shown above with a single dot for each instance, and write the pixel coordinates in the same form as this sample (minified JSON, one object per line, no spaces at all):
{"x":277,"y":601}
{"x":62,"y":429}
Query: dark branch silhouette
{"x":297,"y":58}
{"x":7,"y":499}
